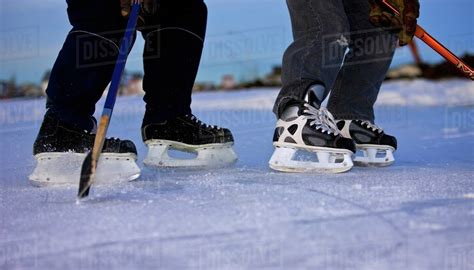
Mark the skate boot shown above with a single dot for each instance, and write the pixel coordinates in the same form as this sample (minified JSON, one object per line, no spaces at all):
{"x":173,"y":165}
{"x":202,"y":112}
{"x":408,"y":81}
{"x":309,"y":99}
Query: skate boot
{"x":305,"y":128}
{"x":374,"y":147}
{"x":61,"y":149}
{"x":211,"y":146}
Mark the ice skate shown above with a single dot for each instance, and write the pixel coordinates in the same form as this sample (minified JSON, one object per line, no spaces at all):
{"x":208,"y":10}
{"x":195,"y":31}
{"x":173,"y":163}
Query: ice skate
{"x":60,"y":151}
{"x":304,"y":128}
{"x":374,"y":147}
{"x":211,"y":145}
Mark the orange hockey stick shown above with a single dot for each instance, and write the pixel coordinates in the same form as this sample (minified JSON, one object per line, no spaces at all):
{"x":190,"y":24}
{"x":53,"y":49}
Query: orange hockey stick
{"x":438,"y":47}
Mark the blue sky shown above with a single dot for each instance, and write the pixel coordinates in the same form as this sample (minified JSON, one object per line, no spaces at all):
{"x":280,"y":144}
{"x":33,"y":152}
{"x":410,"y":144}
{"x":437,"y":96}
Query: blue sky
{"x":245,"y":37}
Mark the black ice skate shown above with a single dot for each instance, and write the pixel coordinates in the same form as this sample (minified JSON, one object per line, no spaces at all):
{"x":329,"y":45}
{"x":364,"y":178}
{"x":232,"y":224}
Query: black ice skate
{"x":60,"y":150}
{"x":211,"y":144}
{"x":375,"y":148}
{"x":304,"y":127}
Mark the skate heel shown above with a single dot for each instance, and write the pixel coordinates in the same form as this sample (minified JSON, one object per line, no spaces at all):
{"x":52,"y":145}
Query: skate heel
{"x":374,"y":155}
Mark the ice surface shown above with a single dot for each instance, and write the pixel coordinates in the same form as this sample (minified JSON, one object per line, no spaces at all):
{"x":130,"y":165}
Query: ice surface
{"x":417,"y":214}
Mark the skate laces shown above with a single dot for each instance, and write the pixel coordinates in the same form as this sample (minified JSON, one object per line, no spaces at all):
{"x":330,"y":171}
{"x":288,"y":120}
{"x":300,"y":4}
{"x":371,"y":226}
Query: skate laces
{"x":321,"y":119}
{"x":110,"y":139}
{"x":372,"y":126}
{"x":200,"y":123}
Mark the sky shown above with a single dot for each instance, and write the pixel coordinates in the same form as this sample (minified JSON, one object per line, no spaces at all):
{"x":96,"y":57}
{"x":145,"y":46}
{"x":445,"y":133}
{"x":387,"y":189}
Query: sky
{"x":245,"y":37}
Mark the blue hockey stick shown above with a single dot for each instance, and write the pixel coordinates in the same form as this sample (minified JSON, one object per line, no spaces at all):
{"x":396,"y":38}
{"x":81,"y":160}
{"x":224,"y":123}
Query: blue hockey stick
{"x":89,"y":166}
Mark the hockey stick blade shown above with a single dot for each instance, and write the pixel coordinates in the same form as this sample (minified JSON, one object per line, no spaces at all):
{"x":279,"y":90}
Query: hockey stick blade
{"x":89,"y":166}
{"x":86,"y":177}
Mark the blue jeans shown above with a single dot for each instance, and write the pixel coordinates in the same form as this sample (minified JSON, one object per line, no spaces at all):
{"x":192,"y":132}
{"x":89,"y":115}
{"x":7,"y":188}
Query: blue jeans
{"x":173,"y":46}
{"x":336,"y":46}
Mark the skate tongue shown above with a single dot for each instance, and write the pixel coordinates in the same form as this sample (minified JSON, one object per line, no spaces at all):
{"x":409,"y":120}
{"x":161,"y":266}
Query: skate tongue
{"x":291,"y":112}
{"x":193,"y":118}
{"x":315,"y":95}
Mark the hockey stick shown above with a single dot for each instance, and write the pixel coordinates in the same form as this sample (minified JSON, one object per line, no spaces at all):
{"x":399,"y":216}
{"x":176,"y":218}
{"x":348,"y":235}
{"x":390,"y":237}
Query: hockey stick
{"x":89,"y":166}
{"x":437,"y":46}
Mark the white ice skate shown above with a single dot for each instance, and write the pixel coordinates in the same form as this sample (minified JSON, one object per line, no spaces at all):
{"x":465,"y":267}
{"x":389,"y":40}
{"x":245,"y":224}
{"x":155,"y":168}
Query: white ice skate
{"x":374,"y":147}
{"x":58,"y":168}
{"x":307,"y":129}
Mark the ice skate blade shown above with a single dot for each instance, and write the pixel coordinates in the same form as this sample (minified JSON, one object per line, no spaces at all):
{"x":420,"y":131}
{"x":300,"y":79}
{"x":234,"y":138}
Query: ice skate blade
{"x":208,"y":156}
{"x":374,"y":155}
{"x":65,"y":169}
{"x":330,"y":160}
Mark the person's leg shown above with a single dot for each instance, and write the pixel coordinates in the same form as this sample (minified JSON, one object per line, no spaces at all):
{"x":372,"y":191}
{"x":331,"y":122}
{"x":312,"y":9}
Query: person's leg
{"x":316,"y":54}
{"x":79,"y":76}
{"x":365,"y":66}
{"x":173,"y":46}
{"x":86,"y":61}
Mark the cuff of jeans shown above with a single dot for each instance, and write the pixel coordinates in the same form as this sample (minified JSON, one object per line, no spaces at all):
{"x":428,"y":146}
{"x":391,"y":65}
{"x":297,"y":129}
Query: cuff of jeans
{"x":297,"y":92}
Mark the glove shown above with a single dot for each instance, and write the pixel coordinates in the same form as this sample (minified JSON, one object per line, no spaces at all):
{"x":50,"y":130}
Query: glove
{"x":148,"y":7}
{"x":405,"y":23}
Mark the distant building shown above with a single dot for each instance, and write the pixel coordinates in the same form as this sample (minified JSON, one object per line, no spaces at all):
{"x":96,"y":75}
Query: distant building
{"x":204,"y":86}
{"x":29,"y":90}
{"x":274,"y":78}
{"x":135,"y":85}
{"x":3,"y":89}
{"x":8,"y":88}
{"x":45,"y":81}
{"x":132,"y":85}
{"x":228,"y":82}
{"x":409,"y":71}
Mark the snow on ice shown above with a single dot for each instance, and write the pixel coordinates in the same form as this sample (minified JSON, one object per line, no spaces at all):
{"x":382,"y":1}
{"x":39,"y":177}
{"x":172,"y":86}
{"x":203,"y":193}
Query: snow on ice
{"x":417,"y":214}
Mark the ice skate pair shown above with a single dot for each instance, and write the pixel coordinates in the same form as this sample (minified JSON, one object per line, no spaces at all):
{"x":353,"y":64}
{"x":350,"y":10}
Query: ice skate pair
{"x":60,"y":150}
{"x":334,"y":146}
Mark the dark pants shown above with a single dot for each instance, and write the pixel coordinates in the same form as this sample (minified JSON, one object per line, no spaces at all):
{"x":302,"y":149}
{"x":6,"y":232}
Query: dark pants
{"x":173,"y":46}
{"x":323,"y":31}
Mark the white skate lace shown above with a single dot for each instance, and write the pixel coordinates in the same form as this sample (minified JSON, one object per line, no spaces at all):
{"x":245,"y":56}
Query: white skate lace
{"x":372,"y":126}
{"x":199,"y":122}
{"x":321,"y":118}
